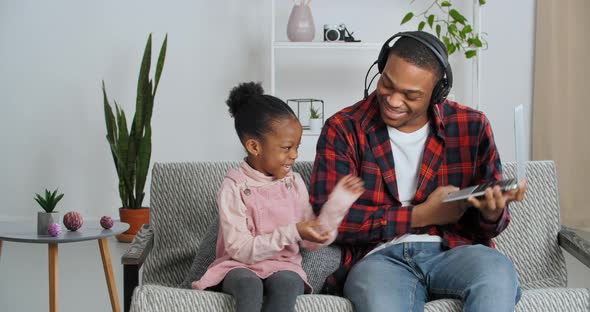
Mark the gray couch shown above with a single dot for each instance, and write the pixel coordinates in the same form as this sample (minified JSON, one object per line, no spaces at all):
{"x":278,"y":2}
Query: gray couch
{"x":183,"y":206}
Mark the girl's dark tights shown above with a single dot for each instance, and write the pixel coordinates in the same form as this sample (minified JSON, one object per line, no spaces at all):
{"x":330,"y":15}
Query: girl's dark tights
{"x":278,"y":292}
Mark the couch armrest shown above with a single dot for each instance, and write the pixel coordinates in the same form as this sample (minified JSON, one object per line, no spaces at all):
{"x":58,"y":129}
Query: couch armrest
{"x":577,"y":243}
{"x":140,"y":247}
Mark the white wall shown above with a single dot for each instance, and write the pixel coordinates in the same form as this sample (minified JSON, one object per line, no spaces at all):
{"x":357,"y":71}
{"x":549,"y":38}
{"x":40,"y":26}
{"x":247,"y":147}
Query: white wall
{"x":507,"y":68}
{"x":53,"y":56}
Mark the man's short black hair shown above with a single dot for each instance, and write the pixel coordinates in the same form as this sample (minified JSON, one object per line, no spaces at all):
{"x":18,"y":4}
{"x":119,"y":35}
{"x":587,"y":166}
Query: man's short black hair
{"x":415,"y":52}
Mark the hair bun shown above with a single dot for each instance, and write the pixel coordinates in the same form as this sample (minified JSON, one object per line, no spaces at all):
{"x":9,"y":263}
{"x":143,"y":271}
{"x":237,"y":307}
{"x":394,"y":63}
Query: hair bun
{"x":239,"y":96}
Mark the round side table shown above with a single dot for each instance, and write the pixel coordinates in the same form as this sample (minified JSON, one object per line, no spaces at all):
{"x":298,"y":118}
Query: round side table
{"x":27,"y":233}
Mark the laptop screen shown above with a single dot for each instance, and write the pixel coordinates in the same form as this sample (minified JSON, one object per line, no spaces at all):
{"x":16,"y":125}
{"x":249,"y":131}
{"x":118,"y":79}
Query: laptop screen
{"x":519,"y":142}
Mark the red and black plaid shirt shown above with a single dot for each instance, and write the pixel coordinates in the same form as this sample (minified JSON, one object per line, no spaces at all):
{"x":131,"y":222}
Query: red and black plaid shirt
{"x":459,"y":151}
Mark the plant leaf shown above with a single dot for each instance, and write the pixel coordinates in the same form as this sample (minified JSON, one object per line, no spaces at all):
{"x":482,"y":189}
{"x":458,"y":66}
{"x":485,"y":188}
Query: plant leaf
{"x":470,"y":53}
{"x":482,"y":2}
{"x":457,"y":16}
{"x":438,"y":28}
{"x":143,"y":164}
{"x":160,"y":64}
{"x":451,"y":49}
{"x":452,"y":28}
{"x":467,"y":29}
{"x":476,"y":42}
{"x":407,"y":18}
{"x":430,"y":20}
{"x":59,"y":197}
{"x":421,"y":25}
{"x":446,"y":4}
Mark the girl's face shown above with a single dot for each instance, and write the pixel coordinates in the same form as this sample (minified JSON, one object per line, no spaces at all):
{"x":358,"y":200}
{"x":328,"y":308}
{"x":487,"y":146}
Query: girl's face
{"x":276,"y":153}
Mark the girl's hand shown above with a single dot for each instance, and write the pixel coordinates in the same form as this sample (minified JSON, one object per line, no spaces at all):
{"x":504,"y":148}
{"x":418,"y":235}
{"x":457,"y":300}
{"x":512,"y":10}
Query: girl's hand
{"x":352,"y":184}
{"x":307,"y":231}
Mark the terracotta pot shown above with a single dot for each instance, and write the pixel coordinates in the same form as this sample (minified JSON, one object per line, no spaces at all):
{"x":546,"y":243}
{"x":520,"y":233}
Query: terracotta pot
{"x":135,"y":218}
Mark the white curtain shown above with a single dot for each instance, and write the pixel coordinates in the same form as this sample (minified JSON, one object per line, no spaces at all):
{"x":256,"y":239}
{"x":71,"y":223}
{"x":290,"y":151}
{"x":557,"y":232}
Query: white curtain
{"x":561,"y":109}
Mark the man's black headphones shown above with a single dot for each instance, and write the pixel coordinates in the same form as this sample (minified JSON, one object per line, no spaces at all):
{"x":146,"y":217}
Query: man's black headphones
{"x":443,"y":87}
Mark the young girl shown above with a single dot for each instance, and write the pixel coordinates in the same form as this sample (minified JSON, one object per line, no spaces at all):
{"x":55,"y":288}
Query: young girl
{"x":264,"y":209}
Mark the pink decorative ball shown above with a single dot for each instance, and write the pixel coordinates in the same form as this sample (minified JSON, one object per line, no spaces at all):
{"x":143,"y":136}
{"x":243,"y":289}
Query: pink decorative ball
{"x":73,"y":220}
{"x":54,"y":229}
{"x":106,"y":222}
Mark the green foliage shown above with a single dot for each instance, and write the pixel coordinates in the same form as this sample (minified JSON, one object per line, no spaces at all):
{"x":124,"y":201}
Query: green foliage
{"x":450,"y":26}
{"x":50,"y":200}
{"x":314,"y":113}
{"x":131,"y":150}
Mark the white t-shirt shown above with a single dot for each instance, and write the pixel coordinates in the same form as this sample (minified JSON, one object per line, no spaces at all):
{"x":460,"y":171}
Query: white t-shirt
{"x":407,"y":150}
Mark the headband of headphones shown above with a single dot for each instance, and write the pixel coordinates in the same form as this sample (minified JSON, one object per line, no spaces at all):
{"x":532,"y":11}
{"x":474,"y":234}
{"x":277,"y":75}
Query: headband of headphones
{"x":443,"y":87}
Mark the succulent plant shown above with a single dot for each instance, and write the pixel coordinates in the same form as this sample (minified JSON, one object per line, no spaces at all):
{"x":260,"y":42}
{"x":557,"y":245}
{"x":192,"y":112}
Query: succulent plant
{"x":73,"y":220}
{"x":50,"y":200}
{"x":314,"y":113}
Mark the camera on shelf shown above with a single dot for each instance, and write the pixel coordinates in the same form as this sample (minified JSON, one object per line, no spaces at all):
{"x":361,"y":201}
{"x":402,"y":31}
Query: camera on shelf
{"x":338,"y":33}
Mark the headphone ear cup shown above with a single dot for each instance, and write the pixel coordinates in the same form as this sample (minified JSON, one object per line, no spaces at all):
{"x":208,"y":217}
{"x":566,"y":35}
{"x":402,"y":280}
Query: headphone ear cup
{"x":440,"y":92}
{"x":382,"y":58}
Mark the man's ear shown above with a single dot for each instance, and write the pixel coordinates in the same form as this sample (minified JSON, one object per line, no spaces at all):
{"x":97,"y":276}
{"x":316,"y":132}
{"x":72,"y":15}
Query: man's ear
{"x":253,"y":146}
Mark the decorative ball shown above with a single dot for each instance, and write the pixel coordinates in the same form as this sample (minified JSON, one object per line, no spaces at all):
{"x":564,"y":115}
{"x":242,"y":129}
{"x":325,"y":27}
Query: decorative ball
{"x":106,"y":222}
{"x":54,"y":229}
{"x":73,"y":220}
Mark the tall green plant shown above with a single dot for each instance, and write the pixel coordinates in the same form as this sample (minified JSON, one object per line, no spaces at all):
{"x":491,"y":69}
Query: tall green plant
{"x":132,"y":149}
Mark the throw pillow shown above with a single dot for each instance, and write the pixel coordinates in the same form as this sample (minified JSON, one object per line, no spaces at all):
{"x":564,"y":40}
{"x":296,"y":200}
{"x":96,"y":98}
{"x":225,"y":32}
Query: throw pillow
{"x":204,"y":256}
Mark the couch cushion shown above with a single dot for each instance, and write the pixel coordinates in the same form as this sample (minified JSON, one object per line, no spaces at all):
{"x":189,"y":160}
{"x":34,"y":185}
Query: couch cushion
{"x":316,"y":264}
{"x":530,"y":240}
{"x":152,"y":298}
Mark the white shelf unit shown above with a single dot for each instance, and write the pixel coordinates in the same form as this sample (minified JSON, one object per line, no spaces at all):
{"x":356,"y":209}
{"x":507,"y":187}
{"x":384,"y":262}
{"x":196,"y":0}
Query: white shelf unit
{"x":312,"y":47}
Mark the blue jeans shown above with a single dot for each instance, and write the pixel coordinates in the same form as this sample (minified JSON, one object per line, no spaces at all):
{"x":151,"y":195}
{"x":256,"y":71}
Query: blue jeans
{"x":405,"y":276}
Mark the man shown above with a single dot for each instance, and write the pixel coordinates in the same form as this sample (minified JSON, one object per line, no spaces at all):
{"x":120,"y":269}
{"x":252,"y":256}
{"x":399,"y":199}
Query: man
{"x":412,"y":147}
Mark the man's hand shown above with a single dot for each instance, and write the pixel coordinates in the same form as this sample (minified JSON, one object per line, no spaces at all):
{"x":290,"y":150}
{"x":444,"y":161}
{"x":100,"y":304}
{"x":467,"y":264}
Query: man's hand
{"x":307,"y":231}
{"x":434,"y":211}
{"x":492,"y":204}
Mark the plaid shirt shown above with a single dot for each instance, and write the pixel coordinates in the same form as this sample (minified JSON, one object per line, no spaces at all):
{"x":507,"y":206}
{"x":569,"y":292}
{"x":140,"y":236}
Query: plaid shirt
{"x":459,"y":151}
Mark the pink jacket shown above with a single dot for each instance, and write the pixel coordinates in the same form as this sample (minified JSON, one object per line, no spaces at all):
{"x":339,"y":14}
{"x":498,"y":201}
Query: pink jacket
{"x":257,"y":224}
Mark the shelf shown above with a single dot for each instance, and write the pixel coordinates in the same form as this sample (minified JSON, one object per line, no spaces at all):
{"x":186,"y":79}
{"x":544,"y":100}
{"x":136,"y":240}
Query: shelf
{"x":327,"y":45}
{"x":307,"y":132}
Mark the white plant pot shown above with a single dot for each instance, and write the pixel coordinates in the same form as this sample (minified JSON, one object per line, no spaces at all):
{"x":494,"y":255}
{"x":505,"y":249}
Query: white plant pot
{"x":315,"y":125}
{"x":44,"y":219}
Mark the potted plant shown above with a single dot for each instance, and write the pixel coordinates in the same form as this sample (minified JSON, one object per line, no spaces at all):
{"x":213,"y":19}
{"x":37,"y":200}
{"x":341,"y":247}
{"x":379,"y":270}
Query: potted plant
{"x":131,"y":149}
{"x":47,"y":217}
{"x":450,"y":26}
{"x":315,"y":119}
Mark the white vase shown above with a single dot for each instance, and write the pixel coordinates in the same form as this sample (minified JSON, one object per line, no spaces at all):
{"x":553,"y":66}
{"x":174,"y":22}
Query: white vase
{"x":315,"y":124}
{"x":44,"y":219}
{"x":300,"y":26}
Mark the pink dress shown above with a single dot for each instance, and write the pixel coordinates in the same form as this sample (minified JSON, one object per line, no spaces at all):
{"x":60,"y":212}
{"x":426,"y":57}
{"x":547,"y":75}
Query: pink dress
{"x":257,"y":224}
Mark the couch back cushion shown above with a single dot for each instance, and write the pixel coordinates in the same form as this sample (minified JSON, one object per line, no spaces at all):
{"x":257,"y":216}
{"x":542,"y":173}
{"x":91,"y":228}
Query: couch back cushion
{"x":183,"y":201}
{"x":530,"y":240}
{"x":183,"y":204}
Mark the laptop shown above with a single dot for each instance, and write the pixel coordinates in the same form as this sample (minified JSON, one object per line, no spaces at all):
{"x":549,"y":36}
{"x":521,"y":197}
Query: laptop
{"x":508,"y":184}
